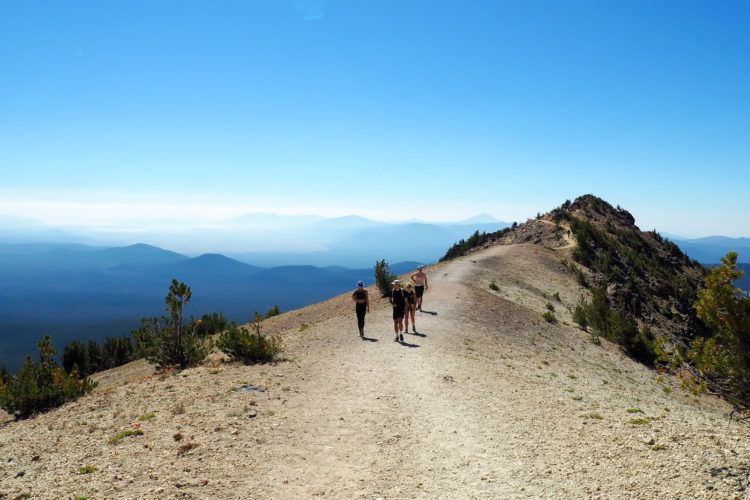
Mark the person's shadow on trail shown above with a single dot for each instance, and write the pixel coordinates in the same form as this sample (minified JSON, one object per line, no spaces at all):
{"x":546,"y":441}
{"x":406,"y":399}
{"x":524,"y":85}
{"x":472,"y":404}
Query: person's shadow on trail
{"x":434,"y":313}
{"x":406,"y":344}
{"x":370,"y":339}
{"x":417,"y":334}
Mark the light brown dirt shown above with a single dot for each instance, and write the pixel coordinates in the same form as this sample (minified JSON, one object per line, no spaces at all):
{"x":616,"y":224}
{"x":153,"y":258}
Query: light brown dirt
{"x":490,"y":401}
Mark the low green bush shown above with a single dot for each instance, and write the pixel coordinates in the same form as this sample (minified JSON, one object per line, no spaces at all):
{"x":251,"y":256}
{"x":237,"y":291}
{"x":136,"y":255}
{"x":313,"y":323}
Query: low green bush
{"x":247,"y":346}
{"x":117,"y":438}
{"x":42,"y":385}
{"x":170,"y":342}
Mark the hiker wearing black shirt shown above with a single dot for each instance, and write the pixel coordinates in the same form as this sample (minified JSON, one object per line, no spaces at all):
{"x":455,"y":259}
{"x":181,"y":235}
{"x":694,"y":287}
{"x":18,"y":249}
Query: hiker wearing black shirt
{"x":362,"y":306}
{"x":411,"y":306}
{"x":398,"y":301}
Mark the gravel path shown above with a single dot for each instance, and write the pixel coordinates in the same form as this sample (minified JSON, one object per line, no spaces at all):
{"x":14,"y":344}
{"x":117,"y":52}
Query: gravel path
{"x":488,"y":401}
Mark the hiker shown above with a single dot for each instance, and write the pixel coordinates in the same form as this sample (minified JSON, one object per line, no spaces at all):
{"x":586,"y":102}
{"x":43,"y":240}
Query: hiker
{"x":362,"y":306}
{"x":398,"y":301}
{"x":420,"y":284}
{"x":411,"y":305}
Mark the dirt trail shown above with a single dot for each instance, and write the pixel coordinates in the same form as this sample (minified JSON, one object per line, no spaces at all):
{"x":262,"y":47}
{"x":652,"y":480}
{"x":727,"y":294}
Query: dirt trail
{"x":391,"y":419}
{"x":488,"y":401}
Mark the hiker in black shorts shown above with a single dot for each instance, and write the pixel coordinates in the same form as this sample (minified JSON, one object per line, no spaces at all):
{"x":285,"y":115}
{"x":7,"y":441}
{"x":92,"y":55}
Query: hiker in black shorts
{"x":411,"y":306}
{"x":398,"y":301}
{"x":420,"y":284}
{"x":362,"y":306}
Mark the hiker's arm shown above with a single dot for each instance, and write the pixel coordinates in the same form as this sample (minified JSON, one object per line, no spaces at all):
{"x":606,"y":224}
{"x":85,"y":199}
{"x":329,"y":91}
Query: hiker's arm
{"x":412,"y":278}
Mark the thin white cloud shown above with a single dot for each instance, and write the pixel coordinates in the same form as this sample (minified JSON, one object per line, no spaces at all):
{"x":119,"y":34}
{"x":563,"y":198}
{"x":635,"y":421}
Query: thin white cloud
{"x":311,"y":10}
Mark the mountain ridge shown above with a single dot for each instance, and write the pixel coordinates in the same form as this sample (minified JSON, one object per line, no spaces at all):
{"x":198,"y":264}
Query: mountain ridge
{"x":488,"y":400}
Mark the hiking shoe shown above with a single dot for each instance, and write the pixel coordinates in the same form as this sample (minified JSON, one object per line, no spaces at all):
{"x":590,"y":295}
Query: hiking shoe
{"x":396,"y":339}
{"x":414,"y":330}
{"x":402,"y":338}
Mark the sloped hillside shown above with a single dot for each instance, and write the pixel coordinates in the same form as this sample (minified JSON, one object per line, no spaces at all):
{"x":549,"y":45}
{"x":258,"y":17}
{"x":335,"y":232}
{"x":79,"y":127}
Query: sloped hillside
{"x":488,"y":400}
{"x":645,"y":276}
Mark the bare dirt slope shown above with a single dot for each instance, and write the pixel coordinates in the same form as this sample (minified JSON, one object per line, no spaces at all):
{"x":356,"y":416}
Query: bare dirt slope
{"x":488,"y":401}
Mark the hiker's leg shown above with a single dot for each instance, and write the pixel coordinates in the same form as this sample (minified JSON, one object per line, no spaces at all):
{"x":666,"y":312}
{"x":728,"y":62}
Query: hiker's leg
{"x":361,"y":322}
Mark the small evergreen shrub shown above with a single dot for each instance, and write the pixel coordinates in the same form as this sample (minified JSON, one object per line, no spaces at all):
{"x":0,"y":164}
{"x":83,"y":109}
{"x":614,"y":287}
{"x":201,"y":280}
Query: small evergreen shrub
{"x":493,"y":286}
{"x":549,"y":317}
{"x":581,"y":278}
{"x":209,"y":324}
{"x":42,"y":385}
{"x":475,"y":240}
{"x":620,"y":328}
{"x":249,"y":347}
{"x":93,"y":357}
{"x":642,"y":346}
{"x":725,"y":353}
{"x":550,"y":307}
{"x":383,"y":277}
{"x":87,"y":469}
{"x":579,"y":315}
{"x":169,"y":342}
{"x":274,"y":311}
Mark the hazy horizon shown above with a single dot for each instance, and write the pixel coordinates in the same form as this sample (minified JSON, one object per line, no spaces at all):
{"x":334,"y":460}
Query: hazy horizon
{"x":393,"y":111}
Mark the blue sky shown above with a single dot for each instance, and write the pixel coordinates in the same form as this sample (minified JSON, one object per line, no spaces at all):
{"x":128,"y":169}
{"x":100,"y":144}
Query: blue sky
{"x":404,"y":109}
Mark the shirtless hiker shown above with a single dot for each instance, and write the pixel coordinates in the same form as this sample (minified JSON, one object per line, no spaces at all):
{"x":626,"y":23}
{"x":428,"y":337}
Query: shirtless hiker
{"x":420,"y":284}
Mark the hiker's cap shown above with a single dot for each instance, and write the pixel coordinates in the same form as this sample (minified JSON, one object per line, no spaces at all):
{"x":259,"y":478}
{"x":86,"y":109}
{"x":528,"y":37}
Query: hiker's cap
{"x":420,"y":266}
{"x":396,"y":282}
{"x":360,"y":284}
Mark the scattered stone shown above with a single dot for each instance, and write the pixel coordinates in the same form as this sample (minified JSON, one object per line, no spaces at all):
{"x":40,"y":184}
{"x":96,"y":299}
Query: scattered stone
{"x":252,"y":413}
{"x":251,"y":388}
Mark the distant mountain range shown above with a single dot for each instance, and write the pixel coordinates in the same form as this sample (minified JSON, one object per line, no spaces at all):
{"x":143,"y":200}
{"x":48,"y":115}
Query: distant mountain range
{"x":744,"y":282}
{"x":75,"y":291}
{"x":272,"y":239}
{"x":710,"y":250}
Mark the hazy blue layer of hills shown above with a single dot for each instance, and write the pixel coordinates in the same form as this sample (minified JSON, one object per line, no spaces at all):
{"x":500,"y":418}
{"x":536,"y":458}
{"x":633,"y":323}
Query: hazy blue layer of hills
{"x":271,"y":239}
{"x":710,"y":250}
{"x":744,"y":282}
{"x":81,"y":292}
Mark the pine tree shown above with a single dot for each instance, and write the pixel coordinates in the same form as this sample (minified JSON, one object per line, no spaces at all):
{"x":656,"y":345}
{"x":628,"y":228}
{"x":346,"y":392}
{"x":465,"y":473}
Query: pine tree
{"x":383,"y":277}
{"x":170,"y":342}
{"x":76,"y":357}
{"x":726,"y":311}
{"x":41,"y":385}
